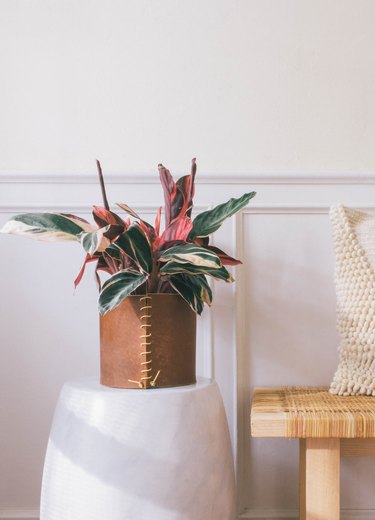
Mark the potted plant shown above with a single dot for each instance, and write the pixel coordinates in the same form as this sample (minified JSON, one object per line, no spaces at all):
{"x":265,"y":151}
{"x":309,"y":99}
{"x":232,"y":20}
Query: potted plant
{"x":156,"y":281}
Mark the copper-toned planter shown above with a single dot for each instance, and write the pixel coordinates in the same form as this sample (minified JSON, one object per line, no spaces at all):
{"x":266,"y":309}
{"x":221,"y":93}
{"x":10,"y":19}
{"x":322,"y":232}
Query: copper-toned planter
{"x":148,"y":342}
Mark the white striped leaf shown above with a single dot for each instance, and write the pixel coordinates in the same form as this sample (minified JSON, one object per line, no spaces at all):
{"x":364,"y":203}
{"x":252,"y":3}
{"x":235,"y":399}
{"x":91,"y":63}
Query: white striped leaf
{"x":118,"y":287}
{"x":49,"y":227}
{"x":209,"y":221}
{"x":191,"y":254}
{"x":135,"y":244}
{"x":194,"y":289}
{"x":95,"y":241}
{"x":171,"y":268}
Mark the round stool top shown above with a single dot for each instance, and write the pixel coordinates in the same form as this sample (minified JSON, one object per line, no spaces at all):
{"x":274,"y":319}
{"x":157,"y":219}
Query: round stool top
{"x":91,"y":384}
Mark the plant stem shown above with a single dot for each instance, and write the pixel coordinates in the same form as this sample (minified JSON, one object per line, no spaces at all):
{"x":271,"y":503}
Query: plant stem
{"x":102,"y":186}
{"x":154,"y":279}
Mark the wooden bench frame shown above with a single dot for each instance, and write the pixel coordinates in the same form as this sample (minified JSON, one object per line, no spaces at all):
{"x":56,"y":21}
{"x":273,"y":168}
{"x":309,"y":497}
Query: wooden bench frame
{"x":328,"y":428}
{"x":320,"y":474}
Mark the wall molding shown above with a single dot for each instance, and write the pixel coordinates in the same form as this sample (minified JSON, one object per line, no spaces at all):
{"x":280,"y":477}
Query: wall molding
{"x":295,"y":209}
{"x":82,"y":208}
{"x":316,"y":208}
{"x":55,"y":177}
{"x":74,"y":208}
{"x":238,"y":247}
{"x":252,"y":209}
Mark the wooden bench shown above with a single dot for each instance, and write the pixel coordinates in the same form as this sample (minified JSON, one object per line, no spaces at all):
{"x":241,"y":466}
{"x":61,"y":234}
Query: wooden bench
{"x":328,"y":427}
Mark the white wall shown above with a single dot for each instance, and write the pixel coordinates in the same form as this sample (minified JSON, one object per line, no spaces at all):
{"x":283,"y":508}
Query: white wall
{"x":249,"y":87}
{"x":245,"y":85}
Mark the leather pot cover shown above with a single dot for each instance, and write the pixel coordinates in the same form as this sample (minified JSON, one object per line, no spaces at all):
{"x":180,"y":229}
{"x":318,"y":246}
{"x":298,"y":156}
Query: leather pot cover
{"x":147,"y":342}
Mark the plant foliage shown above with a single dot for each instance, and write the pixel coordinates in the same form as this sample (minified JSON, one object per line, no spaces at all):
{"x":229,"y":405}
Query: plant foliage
{"x":136,"y":255}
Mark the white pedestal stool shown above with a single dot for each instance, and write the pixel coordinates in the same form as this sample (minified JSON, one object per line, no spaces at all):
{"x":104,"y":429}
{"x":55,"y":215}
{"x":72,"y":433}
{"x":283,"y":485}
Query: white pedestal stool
{"x":124,"y":454}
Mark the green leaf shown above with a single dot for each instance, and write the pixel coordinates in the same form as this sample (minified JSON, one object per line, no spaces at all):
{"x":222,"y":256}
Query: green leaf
{"x":209,"y":221}
{"x":89,"y":242}
{"x":95,"y":240}
{"x":194,"y":289}
{"x":118,"y":287}
{"x":172,"y":268}
{"x":47,"y":226}
{"x":136,"y":245}
{"x":113,"y":252}
{"x":221,"y":274}
{"x":191,"y":254}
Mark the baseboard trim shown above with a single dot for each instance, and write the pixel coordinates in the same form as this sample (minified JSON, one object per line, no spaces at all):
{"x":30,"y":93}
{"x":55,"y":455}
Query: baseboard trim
{"x":22,"y":514}
{"x":292,"y":514}
{"x":259,"y":514}
{"x":269,"y":514}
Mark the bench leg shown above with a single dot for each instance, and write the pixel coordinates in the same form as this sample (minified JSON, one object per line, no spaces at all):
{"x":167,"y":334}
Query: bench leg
{"x":319,"y":479}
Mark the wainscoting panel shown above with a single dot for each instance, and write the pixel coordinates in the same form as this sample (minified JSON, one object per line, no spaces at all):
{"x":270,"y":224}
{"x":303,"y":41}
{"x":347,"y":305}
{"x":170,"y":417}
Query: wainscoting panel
{"x":275,"y":325}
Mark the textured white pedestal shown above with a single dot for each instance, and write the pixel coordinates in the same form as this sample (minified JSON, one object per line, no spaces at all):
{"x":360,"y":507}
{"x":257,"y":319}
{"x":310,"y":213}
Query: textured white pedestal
{"x":161,"y":454}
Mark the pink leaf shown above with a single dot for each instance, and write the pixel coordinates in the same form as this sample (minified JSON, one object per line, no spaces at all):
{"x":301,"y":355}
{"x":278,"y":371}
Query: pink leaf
{"x":225,"y":259}
{"x":170,"y":189}
{"x":127,"y":209}
{"x":157,"y":222}
{"x":103,"y":217}
{"x":179,"y":229}
{"x":88,"y":259}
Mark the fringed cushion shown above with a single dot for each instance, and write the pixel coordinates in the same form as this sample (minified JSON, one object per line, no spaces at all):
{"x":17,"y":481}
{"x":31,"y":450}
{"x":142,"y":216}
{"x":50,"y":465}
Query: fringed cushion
{"x":354,"y":237}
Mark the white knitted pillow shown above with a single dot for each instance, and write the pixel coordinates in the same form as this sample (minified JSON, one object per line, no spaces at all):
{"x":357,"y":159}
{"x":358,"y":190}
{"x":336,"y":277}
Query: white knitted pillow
{"x":354,"y":237}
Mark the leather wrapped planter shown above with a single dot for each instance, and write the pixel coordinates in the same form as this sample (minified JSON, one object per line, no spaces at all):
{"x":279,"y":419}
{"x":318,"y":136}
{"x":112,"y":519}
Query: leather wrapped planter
{"x":147,"y":342}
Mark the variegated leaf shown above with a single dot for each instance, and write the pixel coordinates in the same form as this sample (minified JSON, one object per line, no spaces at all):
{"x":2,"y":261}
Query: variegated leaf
{"x":209,"y":221}
{"x":135,"y":244}
{"x":170,"y":191}
{"x":118,"y":287}
{"x":179,"y":229}
{"x":191,"y":254}
{"x":95,"y":241}
{"x":103,"y":217}
{"x":221,"y":274}
{"x":224,"y":258}
{"x":81,"y":222}
{"x":194,"y":289}
{"x":47,"y":226}
{"x":145,"y":226}
{"x":128,"y":210}
{"x":171,"y":268}
{"x":199,"y":284}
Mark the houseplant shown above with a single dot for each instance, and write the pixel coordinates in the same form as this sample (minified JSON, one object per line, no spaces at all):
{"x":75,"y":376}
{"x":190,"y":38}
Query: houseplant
{"x":156,"y":281}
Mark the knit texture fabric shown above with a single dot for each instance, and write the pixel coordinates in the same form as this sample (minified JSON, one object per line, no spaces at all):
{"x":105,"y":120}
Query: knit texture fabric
{"x":354,"y":238}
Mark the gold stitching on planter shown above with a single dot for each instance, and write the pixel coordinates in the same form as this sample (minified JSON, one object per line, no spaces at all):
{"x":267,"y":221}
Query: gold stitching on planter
{"x":139,"y":383}
{"x":145,"y":338}
{"x":147,"y":308}
{"x":153,"y":383}
{"x":146,"y":335}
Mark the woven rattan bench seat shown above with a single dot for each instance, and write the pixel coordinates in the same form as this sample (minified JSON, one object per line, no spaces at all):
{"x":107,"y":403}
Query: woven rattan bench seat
{"x":328,"y":427}
{"x":311,"y":412}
